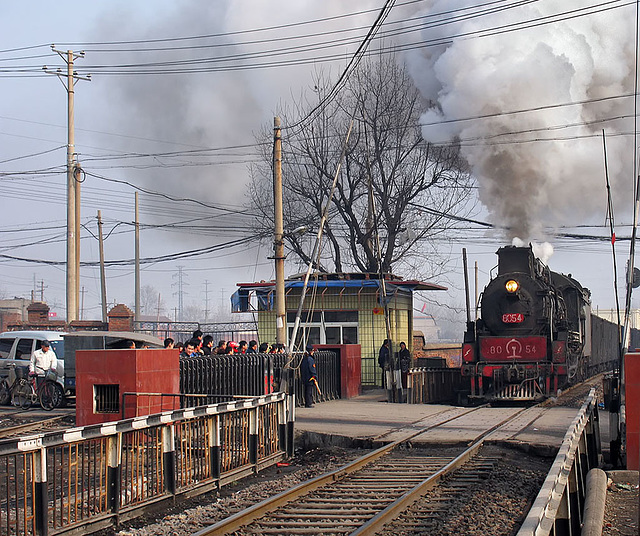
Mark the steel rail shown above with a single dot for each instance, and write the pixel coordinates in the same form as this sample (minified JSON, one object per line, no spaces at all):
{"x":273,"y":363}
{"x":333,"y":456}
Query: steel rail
{"x":10,"y":430}
{"x":403,"y":502}
{"x":263,"y":508}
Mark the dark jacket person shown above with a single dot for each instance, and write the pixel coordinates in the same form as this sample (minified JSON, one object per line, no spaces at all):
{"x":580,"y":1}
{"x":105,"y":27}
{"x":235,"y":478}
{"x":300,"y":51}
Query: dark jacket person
{"x":308,"y":374}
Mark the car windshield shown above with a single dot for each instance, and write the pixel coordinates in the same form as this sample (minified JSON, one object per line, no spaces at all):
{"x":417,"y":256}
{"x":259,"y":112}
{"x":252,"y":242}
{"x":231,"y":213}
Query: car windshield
{"x":58,"y":348}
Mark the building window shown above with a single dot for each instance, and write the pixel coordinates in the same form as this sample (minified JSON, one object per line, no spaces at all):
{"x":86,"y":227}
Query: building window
{"x":325,"y":327}
{"x":106,"y":398}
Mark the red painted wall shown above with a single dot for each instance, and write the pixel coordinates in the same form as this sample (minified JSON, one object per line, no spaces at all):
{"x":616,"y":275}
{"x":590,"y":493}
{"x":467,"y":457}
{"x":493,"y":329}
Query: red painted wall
{"x":133,"y":371}
{"x":350,"y":367}
{"x":632,"y":406}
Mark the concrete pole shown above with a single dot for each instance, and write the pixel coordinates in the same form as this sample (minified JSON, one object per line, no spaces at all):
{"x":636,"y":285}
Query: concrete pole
{"x":72,"y":294}
{"x":278,"y":239}
{"x":137,"y":270}
{"x":77,"y":171}
{"x":103,"y":280}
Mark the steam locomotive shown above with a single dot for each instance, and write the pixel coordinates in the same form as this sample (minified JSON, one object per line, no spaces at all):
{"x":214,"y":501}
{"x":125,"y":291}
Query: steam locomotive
{"x":534,"y":333}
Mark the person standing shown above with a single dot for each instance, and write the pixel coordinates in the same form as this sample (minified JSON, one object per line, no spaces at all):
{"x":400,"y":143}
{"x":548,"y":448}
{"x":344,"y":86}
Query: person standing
{"x":308,"y":375}
{"x":253,"y":347}
{"x":207,"y":345}
{"x":42,"y":360}
{"x":384,"y":360}
{"x":189,"y":349}
{"x":404,"y":360}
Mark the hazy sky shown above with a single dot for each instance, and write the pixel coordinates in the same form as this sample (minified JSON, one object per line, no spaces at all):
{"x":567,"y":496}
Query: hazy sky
{"x":180,"y":88}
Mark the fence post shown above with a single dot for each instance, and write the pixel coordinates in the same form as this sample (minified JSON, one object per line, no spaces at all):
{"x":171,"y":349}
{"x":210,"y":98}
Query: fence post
{"x":214,"y":447}
{"x":291,"y":410}
{"x":253,"y":436}
{"x":169,"y":458}
{"x":41,"y":506}
{"x":114,"y":472}
{"x":282,"y":424}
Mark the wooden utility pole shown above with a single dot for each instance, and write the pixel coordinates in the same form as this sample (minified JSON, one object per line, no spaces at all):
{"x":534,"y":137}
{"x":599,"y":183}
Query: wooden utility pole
{"x":137,"y":269}
{"x":278,"y":237}
{"x":103,"y":280}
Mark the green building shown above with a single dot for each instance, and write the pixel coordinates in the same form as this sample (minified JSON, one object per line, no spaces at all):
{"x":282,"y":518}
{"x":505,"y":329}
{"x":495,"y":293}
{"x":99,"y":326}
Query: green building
{"x":338,"y":309}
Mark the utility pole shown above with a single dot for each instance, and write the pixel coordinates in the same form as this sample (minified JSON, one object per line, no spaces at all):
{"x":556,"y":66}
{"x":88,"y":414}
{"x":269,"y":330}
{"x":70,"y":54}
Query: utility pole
{"x":42,"y":287}
{"x":77,"y":171}
{"x":278,"y":235}
{"x":179,"y":283}
{"x":103,"y":280}
{"x":206,"y":301}
{"x":137,"y":269}
{"x":82,"y":304}
{"x":72,"y":284}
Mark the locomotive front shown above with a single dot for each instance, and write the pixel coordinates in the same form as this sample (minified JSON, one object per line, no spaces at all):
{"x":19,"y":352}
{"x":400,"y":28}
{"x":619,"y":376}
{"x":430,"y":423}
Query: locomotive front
{"x":507,"y":353}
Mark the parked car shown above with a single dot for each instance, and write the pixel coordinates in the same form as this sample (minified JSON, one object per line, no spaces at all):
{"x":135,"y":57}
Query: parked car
{"x":16,"y":348}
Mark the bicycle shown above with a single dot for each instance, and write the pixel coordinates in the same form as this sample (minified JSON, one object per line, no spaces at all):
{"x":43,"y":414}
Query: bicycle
{"x":8,"y":384}
{"x":27,"y":391}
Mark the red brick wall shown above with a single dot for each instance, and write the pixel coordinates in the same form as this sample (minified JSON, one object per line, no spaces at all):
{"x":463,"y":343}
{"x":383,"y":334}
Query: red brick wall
{"x":120,"y":318}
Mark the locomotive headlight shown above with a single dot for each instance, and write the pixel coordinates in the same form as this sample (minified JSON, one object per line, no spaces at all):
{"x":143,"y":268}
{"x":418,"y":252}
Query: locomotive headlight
{"x":511,"y":286}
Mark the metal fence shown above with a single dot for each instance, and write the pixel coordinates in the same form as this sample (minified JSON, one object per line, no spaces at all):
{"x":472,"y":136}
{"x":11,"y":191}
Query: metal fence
{"x":428,"y":386}
{"x":559,"y":508}
{"x":183,"y":331}
{"x":100,"y":474}
{"x":226,"y":376}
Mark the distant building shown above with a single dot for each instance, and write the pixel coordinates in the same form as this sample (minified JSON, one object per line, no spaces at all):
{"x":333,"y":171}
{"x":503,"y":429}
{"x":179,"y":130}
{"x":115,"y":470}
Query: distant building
{"x":338,"y":309}
{"x":612,"y":316}
{"x":13,"y":311}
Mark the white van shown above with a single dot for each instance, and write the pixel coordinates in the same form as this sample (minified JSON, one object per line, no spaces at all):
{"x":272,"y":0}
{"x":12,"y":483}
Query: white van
{"x":17,"y":346}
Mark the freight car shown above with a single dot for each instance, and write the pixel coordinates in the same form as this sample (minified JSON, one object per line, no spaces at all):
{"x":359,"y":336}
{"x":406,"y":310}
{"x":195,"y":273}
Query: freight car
{"x":534,"y":335}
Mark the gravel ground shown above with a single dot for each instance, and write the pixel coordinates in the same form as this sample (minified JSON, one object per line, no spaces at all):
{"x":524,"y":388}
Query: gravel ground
{"x":493,"y":507}
{"x":189,"y":516}
{"x":621,"y":509}
{"x":496,"y":505}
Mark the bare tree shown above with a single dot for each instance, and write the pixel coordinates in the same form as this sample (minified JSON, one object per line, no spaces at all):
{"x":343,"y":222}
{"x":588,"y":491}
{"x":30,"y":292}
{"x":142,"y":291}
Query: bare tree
{"x":396,"y":192}
{"x":149,"y":298}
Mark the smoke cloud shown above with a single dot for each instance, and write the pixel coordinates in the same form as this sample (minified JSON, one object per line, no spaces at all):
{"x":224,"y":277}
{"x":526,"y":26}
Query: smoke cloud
{"x":226,"y":108}
{"x":545,"y":166}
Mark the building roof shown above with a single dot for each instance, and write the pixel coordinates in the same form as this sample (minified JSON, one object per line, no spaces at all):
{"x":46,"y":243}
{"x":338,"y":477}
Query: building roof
{"x":341,"y":280}
{"x":264,"y":289}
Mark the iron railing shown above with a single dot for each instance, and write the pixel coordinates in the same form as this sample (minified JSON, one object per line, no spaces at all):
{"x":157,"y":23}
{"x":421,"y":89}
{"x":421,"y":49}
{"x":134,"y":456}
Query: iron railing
{"x":101,"y":474}
{"x":433,"y":385}
{"x":559,"y":508}
{"x":255,"y":374}
{"x":182,"y":331}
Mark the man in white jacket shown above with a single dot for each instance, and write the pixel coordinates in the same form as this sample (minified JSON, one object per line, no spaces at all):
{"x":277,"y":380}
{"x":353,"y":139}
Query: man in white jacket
{"x":43,"y":360}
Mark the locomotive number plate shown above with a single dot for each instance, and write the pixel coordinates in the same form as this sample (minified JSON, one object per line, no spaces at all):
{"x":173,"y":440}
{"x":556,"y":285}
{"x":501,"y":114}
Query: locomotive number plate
{"x":513,"y":318}
{"x":518,"y":348}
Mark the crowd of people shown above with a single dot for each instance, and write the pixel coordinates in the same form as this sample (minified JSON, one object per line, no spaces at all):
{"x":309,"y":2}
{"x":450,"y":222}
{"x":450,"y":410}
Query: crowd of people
{"x":200,"y":345}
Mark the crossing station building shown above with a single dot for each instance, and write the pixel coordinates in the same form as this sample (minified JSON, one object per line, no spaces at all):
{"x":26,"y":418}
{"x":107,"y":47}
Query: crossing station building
{"x":338,"y":309}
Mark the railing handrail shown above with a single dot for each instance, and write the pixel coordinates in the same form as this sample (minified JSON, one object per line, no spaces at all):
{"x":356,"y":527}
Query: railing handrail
{"x":93,"y":431}
{"x":542,"y":515}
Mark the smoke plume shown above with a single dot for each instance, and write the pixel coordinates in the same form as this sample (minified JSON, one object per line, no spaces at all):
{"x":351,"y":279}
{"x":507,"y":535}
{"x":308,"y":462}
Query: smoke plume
{"x":542,"y":167}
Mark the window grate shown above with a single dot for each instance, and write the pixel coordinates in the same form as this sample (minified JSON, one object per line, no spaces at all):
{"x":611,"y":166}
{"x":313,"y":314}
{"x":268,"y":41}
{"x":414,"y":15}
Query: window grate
{"x":106,"y":398}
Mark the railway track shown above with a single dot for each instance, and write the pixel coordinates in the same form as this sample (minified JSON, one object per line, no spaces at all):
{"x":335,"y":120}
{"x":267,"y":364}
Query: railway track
{"x":369,"y":493}
{"x":16,"y":422}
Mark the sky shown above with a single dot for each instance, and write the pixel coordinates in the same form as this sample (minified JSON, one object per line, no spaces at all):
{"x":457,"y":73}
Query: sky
{"x":180,"y":90}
